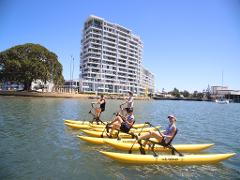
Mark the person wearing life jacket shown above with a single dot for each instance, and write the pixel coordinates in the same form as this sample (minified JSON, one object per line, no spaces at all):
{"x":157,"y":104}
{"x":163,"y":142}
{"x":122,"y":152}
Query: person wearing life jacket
{"x":100,"y":107}
{"x":122,"y":123}
{"x":163,"y":138}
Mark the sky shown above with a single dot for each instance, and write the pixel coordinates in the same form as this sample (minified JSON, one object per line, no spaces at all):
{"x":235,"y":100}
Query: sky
{"x":187,"y":44}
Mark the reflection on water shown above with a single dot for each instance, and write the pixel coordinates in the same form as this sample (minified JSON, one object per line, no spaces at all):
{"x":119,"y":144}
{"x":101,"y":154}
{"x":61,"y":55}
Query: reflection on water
{"x":36,"y":144}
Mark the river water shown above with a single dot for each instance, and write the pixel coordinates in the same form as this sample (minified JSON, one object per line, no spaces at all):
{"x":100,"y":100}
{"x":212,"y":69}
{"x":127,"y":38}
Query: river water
{"x":35,"y":144}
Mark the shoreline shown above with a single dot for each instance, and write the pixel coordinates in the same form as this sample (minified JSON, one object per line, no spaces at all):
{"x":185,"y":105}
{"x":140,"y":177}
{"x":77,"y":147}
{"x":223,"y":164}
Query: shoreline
{"x":182,"y":99}
{"x":88,"y":96}
{"x":64,"y":95}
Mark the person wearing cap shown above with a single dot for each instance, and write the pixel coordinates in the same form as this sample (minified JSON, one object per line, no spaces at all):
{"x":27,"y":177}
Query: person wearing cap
{"x":165,"y":136}
{"x":122,"y":123}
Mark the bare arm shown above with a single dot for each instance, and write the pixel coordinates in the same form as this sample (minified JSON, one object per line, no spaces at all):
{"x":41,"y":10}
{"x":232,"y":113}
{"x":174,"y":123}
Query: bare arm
{"x":123,"y":118}
{"x":129,"y":123}
{"x":101,"y":101}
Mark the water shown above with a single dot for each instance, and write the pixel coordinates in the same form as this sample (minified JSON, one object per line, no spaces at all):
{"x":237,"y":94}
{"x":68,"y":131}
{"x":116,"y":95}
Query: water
{"x":35,"y":144}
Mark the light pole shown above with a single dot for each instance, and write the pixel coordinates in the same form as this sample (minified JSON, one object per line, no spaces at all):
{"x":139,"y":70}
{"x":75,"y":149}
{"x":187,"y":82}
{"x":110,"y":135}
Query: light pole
{"x":71,"y":72}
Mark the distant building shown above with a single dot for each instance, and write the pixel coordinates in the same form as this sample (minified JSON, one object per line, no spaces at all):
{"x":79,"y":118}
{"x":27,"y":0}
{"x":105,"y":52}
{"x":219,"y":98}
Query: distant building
{"x":71,"y":84}
{"x":215,"y":90}
{"x":147,"y":81}
{"x":39,"y":85}
{"x":111,"y":59}
{"x":223,"y":91}
{"x":8,"y":85}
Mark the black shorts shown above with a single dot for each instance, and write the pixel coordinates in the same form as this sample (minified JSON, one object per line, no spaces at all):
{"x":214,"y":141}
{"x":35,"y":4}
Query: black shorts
{"x":124,"y":127}
{"x":102,"y":110}
{"x":127,"y":109}
{"x":163,"y":143}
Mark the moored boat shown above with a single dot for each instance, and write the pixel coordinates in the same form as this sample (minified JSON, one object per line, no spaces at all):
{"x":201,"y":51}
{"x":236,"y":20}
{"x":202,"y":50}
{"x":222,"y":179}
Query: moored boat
{"x":222,"y":101}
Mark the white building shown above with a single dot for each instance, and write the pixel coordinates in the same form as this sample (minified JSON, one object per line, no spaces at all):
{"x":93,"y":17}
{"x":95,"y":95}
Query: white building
{"x":147,"y":81}
{"x":39,"y":85}
{"x":223,"y":91}
{"x":215,"y":89}
{"x":111,"y":59}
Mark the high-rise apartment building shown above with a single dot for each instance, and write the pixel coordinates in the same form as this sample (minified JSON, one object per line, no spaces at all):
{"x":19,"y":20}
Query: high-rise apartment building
{"x":111,"y":59}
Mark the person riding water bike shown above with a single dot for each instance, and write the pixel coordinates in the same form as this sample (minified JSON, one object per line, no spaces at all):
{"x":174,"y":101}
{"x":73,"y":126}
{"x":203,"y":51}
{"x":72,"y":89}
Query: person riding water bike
{"x":100,"y":107}
{"x":163,"y":138}
{"x":121,"y":123}
{"x":129,"y":102}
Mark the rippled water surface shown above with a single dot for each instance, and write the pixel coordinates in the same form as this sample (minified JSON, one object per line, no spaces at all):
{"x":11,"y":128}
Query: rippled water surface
{"x":35,"y":144}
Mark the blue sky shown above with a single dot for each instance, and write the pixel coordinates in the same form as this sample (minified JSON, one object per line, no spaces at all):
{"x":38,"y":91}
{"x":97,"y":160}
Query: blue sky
{"x":187,"y":44}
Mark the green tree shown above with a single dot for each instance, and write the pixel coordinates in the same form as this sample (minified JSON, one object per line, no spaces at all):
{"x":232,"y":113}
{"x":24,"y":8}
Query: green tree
{"x":200,"y":95}
{"x":195,"y":94}
{"x":175,"y":92}
{"x":29,"y":62}
{"x":185,"y":93}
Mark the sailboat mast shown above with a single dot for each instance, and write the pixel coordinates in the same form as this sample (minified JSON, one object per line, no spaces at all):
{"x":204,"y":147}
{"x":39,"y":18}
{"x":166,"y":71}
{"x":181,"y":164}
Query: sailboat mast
{"x":222,"y":77}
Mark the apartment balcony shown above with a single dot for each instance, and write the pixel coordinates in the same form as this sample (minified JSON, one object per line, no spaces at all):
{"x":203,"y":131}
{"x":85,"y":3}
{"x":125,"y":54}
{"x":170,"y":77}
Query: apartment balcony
{"x":95,"y":53}
{"x":96,"y":48}
{"x":122,"y":70}
{"x":123,"y":34}
{"x":98,"y":28}
{"x":96,"y":33}
{"x":96,"y":43}
{"x":93,"y":56}
{"x":94,"y":38}
{"x":130,"y":63}
{"x":122,"y":46}
{"x":109,"y":44}
{"x":110,"y":55}
{"x":110,"y":34}
{"x":90,"y":53}
{"x":108,"y":50}
{"x":132,"y":75}
{"x":109,"y":38}
{"x":122,"y":73}
{"x":109,"y":62}
{"x":122,"y":52}
{"x":132,"y":59}
{"x":132,"y":67}
{"x":111,"y":66}
{"x":123,"y":42}
{"x":121,"y":64}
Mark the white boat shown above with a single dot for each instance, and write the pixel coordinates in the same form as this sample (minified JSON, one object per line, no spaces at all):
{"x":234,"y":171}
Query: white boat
{"x":222,"y":101}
